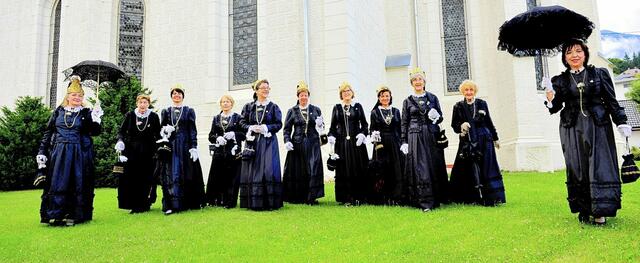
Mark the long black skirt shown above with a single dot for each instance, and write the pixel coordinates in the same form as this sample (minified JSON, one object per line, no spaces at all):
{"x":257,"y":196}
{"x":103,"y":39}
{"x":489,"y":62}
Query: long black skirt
{"x":386,"y":170}
{"x":260,"y":179}
{"x":351,"y":178}
{"x":303,"y":177}
{"x":224,"y":182}
{"x":593,"y":178}
{"x":488,"y":188}
{"x":136,"y":186}
{"x":420,"y":183}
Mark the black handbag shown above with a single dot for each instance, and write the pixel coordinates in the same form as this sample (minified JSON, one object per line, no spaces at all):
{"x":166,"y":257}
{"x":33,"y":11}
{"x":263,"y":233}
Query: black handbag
{"x":324,"y":139}
{"x":248,"y":153}
{"x":118,"y":167}
{"x":441,"y":140}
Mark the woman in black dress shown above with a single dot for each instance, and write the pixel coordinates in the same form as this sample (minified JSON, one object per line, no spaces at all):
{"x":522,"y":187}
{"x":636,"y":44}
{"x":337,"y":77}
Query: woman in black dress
{"x":389,"y":161}
{"x":137,"y":144}
{"x":260,"y":181}
{"x":226,"y":135}
{"x":586,"y":96}
{"x":303,"y":172}
{"x":347,"y":135}
{"x":424,"y":181}
{"x":475,"y":177}
{"x":181,"y":176}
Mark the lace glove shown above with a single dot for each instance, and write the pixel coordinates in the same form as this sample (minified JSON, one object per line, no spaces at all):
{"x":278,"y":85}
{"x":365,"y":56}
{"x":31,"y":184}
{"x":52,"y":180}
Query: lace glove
{"x":334,"y":156}
{"x":319,"y":125}
{"x":433,"y":115}
{"x":550,"y":92}
{"x":360,"y":139}
{"x":624,"y":130}
{"x":464,"y":127}
{"x":96,"y":113}
{"x":404,"y":148}
{"x":193,"y":152}
{"x":331,"y":140}
{"x":41,"y":160}
{"x":230,"y":135}
{"x":119,"y":146}
{"x":221,"y":141}
{"x":288,"y":146}
{"x":123,"y":158}
{"x":375,"y":136}
{"x":234,"y":149}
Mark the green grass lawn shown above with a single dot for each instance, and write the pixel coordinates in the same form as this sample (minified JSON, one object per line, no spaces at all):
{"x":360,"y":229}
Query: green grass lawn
{"x":534,"y":225}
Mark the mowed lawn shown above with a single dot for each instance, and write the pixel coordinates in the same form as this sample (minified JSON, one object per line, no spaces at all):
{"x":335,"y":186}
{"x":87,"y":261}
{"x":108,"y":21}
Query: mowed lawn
{"x":535,"y":225}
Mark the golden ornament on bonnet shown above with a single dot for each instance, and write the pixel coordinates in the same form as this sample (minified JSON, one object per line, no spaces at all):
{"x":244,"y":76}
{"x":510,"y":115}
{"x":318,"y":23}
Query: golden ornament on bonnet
{"x":177,"y":87}
{"x":381,"y":89}
{"x":417,"y":72}
{"x":302,"y":87}
{"x":75,"y":86}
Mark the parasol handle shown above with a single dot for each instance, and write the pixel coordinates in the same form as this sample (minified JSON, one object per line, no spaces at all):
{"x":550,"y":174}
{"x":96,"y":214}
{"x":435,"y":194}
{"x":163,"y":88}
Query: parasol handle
{"x":628,"y":148}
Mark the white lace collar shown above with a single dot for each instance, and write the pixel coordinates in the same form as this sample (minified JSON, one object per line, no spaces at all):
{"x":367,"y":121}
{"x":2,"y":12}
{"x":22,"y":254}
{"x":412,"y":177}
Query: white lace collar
{"x":421,"y":95}
{"x":343,"y":104}
{"x":472,"y":101}
{"x":264,"y":103}
{"x":303,"y":108}
{"x":577,"y":71}
{"x":73,"y":109}
{"x":142,"y":115}
{"x":383,"y":108}
{"x":223,"y":115}
{"x":177,"y":106}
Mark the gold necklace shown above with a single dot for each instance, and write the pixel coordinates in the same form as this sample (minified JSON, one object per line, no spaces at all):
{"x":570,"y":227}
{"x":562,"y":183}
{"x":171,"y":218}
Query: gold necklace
{"x":146,"y":121}
{"x":346,"y":111}
{"x":175,"y":125}
{"x":306,"y":119}
{"x":74,"y":118}
{"x":580,"y":87}
{"x":224,"y":122}
{"x":387,"y":118}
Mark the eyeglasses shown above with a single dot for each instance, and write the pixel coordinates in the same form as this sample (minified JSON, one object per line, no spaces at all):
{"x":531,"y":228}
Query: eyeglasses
{"x":267,"y":88}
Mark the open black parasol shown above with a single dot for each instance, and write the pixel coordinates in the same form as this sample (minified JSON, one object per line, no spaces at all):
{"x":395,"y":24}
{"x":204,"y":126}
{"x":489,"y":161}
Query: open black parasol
{"x":542,"y":31}
{"x":97,"y":71}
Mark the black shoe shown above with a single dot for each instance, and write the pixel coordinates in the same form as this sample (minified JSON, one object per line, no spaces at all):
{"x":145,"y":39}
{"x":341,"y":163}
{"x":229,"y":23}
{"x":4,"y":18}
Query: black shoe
{"x":583,"y":218}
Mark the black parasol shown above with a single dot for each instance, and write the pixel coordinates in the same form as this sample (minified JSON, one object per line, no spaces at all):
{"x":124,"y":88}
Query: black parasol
{"x":542,"y":31}
{"x":469,"y":151}
{"x":95,"y":72}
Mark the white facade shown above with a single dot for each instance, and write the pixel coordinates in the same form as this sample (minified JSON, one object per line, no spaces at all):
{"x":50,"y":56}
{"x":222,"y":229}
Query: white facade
{"x":187,"y":42}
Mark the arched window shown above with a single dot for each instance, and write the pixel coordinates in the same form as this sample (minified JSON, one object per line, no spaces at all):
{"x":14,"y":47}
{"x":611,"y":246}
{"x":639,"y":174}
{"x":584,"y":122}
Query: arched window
{"x":131,"y":37}
{"x":53,"y":53}
{"x":243,"y":21}
{"x":454,"y":38}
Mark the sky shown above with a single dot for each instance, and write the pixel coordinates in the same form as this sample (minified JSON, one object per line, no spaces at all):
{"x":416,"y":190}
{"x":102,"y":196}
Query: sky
{"x":621,"y":16}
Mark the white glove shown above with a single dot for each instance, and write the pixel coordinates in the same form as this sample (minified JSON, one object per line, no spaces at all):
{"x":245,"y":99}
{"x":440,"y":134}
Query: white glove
{"x":96,"y":113}
{"x":360,"y":139}
{"x":194,"y":154}
{"x":123,"y":158}
{"x":230,"y":135}
{"x":496,"y":144}
{"x":41,"y":160}
{"x":250,"y":136}
{"x":119,"y":146}
{"x":264,"y":129}
{"x":624,"y":130}
{"x":334,"y":156}
{"x":433,"y":115}
{"x":169,"y":129}
{"x":221,"y":141}
{"x":375,"y":136}
{"x":234,"y":149}
{"x":288,"y":146}
{"x":465,"y":126}
{"x":320,"y":125}
{"x":331,"y":140}
{"x":404,"y":148}
{"x":549,"y":91}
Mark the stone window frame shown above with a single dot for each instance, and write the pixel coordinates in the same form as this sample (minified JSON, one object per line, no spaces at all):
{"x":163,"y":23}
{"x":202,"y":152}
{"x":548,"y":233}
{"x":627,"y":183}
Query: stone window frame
{"x":53,"y":53}
{"x":232,"y":85}
{"x":119,"y":40}
{"x":443,"y":38}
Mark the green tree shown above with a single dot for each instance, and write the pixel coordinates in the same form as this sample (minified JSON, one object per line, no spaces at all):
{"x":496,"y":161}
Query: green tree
{"x":618,"y":65}
{"x":116,"y":100}
{"x":20,"y":134}
{"x":634,"y":90}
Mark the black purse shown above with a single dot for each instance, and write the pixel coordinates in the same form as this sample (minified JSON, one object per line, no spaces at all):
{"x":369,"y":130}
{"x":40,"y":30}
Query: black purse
{"x":324,"y":139}
{"x":248,"y":153}
{"x":441,"y":140}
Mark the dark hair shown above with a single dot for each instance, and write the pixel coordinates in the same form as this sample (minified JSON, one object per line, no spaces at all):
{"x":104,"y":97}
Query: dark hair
{"x":570,"y":44}
{"x":178,"y":90}
{"x":378,"y":100}
{"x":256,"y":86}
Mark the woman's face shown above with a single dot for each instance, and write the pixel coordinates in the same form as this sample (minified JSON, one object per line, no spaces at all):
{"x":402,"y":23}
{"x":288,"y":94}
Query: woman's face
{"x":384,"y":98}
{"x":263,"y":90}
{"x":469,"y":93}
{"x":303,"y":98}
{"x":74,"y":99}
{"x":418,"y":83}
{"x":226,"y":104}
{"x":176,"y":97}
{"x":142,"y":104}
{"x":575,"y":57}
{"x":347,"y":94}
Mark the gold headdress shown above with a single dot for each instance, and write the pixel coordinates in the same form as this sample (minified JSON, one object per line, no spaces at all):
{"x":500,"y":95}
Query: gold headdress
{"x":75,"y":86}
{"x":382,"y":88}
{"x":302,"y":87}
{"x":416,"y":72}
